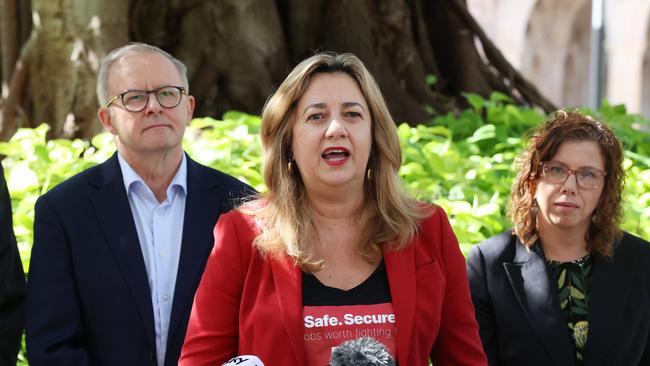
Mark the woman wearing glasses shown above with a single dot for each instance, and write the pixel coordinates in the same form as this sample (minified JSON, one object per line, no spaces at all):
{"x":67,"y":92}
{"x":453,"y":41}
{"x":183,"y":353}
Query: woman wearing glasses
{"x":565,"y":286}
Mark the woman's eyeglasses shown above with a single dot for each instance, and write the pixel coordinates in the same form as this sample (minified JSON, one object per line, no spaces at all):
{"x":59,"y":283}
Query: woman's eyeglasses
{"x":557,"y":173}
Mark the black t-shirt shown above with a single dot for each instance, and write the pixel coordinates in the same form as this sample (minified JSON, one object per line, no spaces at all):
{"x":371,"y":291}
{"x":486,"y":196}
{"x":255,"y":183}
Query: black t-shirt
{"x":374,"y":290}
{"x":332,"y":316}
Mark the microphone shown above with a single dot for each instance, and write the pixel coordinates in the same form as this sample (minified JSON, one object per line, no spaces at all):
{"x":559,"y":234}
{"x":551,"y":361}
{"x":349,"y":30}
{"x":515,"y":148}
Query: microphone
{"x":365,"y":351}
{"x":244,"y":360}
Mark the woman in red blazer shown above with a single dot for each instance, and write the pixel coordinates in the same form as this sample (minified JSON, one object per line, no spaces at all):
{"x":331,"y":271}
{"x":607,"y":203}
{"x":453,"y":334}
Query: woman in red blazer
{"x":335,"y":250}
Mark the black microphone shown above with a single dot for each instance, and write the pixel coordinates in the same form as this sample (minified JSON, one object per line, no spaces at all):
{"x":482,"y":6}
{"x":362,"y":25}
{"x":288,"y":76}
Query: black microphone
{"x":361,"y":352}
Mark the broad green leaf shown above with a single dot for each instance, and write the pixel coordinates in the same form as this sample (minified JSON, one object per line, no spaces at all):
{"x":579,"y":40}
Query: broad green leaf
{"x":483,"y":133}
{"x":561,"y":279}
{"x":475,"y":100}
{"x":576,"y":293}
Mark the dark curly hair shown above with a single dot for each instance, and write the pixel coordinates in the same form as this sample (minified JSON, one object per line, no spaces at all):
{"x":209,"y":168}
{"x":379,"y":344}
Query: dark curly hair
{"x":604,"y":230}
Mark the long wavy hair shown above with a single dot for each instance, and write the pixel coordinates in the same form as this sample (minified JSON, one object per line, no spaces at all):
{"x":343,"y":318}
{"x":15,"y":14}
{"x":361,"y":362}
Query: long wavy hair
{"x":388,"y":216}
{"x":604,"y":230}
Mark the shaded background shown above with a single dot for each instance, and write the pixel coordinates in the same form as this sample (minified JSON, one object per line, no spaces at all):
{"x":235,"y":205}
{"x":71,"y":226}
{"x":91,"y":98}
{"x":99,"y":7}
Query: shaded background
{"x":549,"y":42}
{"x":423,"y":53}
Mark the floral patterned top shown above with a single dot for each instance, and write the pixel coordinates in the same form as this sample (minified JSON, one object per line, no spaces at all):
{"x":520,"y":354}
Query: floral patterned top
{"x":573,"y":281}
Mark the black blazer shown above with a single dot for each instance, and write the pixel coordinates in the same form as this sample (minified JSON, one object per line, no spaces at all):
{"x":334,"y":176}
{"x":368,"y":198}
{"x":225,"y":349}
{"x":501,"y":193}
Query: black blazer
{"x":519,"y":316}
{"x":88,"y":297}
{"x":12,"y":282}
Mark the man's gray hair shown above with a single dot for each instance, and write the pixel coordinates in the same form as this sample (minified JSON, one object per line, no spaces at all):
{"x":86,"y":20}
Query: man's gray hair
{"x":131,"y":48}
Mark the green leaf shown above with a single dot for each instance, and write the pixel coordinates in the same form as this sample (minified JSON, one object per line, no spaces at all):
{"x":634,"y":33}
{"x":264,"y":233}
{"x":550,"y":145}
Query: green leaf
{"x":499,"y":97}
{"x":475,"y":100}
{"x":576,"y":280}
{"x":483,"y":133}
{"x":578,"y":310}
{"x":563,"y":295}
{"x":561,"y":279}
{"x":576,"y":293}
{"x":431,"y":80}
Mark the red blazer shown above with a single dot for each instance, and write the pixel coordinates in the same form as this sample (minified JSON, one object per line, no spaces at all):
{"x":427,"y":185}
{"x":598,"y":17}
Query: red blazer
{"x":246,"y":304}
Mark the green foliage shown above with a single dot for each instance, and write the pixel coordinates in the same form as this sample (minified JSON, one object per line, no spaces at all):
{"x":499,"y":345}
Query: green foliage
{"x":231,"y":145}
{"x":34,"y":165}
{"x":464,"y":162}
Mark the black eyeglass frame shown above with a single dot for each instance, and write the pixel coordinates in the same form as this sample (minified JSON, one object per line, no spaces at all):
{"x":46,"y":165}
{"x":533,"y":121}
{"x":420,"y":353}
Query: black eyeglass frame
{"x":543,"y":168}
{"x":147,"y":93}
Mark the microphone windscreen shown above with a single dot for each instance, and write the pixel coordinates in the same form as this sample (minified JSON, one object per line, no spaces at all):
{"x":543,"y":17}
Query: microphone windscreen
{"x":361,"y":352}
{"x":245,"y":360}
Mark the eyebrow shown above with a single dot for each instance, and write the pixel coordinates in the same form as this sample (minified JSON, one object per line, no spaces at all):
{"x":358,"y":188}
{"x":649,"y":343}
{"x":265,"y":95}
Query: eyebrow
{"x":353,"y":104}
{"x":314,"y":105}
{"x":580,"y":167}
{"x":323,"y":106}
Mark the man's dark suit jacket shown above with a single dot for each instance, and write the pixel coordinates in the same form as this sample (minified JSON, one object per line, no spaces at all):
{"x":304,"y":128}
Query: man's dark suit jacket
{"x":88,"y":297}
{"x":519,"y":316}
{"x":12,"y":282}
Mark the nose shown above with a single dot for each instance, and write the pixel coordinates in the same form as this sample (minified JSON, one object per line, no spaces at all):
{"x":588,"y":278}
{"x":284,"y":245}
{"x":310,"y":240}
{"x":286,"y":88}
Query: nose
{"x":570,"y":185}
{"x":336,"y":129}
{"x":153,"y":106}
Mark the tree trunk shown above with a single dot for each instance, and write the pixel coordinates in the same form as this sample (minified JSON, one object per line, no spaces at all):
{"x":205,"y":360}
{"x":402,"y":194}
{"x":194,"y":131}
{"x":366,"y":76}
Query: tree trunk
{"x":8,"y":42}
{"x":238,"y":51}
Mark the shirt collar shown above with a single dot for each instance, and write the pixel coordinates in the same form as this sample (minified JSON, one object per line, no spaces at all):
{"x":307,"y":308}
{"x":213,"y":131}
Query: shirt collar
{"x":130,"y":177}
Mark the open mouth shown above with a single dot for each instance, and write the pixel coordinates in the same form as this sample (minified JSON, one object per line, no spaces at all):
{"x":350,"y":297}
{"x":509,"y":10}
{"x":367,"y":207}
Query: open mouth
{"x":335,"y":154}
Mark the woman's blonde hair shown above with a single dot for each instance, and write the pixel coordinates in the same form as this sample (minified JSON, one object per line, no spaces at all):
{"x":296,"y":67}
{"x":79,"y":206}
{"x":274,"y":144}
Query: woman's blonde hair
{"x":604,"y":231}
{"x":388,"y":215}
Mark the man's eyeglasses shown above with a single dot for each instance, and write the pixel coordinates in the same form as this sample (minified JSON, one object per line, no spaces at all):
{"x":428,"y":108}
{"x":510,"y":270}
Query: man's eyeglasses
{"x":137,"y":100}
{"x":557,"y":173}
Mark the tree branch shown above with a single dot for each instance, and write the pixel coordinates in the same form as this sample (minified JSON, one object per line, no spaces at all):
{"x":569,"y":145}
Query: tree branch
{"x":9,"y":40}
{"x":12,"y":103}
{"x":527,"y":90}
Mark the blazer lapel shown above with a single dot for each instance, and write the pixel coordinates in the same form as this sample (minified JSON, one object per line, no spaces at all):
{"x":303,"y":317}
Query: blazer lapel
{"x":612,"y":281}
{"x":197,"y":241}
{"x":400,"y":266}
{"x":113,"y":212}
{"x":538,"y":299}
{"x":288,"y":289}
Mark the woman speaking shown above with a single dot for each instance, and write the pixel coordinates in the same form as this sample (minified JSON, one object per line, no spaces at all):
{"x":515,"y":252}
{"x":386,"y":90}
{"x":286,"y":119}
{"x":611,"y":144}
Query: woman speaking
{"x":335,"y":250}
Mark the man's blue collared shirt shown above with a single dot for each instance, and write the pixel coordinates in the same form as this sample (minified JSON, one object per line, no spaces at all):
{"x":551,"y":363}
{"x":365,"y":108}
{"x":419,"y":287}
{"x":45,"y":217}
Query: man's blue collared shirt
{"x":160,"y":231}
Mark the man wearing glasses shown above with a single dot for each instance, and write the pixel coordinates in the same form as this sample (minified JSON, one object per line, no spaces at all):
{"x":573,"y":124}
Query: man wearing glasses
{"x":119,"y":249}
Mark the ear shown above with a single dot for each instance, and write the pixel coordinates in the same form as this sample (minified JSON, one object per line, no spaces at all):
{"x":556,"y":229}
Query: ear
{"x":106,"y":119}
{"x":190,"y":107}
